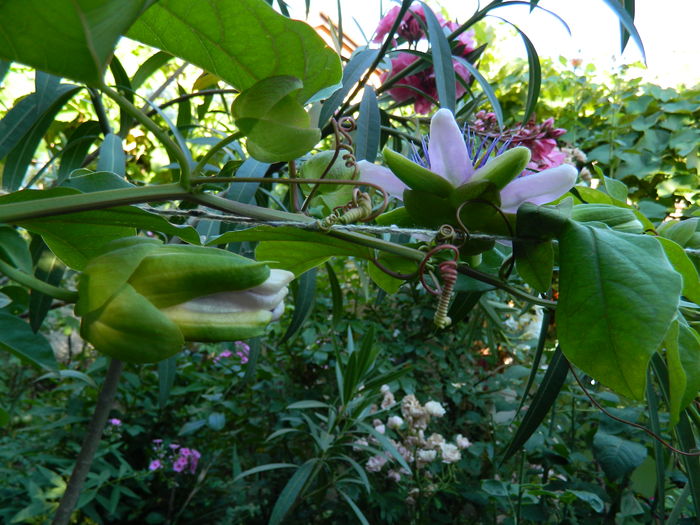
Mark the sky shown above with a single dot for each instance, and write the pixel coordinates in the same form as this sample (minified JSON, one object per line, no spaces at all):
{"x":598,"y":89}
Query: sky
{"x":669,"y":31}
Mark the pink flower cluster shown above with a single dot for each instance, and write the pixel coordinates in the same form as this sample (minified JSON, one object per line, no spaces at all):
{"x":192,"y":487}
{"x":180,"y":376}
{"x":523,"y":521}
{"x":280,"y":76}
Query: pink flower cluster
{"x":180,"y":459}
{"x":540,"y":139}
{"x":242,"y":352}
{"x":412,"y":30}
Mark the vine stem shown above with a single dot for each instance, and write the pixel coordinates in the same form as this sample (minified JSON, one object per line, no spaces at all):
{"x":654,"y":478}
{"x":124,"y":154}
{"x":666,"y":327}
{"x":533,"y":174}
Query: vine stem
{"x":90,"y":444}
{"x":28,"y":280}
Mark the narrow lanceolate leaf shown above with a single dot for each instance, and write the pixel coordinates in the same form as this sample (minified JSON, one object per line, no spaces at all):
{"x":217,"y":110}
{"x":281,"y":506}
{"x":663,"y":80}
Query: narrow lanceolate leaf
{"x":20,"y":156}
{"x":18,"y":339}
{"x":304,"y":296}
{"x":292,"y":490}
{"x":618,"y":296}
{"x":445,"y":78}
{"x":486,"y":87}
{"x":352,"y":72}
{"x":627,"y":22}
{"x":69,"y":38}
{"x":543,"y":400}
{"x":368,"y":127}
{"x":336,"y":294}
{"x":166,"y":379}
{"x":112,"y":157}
{"x":241,"y":42}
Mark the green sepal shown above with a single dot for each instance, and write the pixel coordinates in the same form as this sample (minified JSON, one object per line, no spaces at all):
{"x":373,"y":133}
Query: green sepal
{"x":175,"y":274}
{"x":504,"y":168}
{"x":475,"y":215}
{"x":416,"y":176}
{"x":128,"y":327}
{"x":105,"y":274}
{"x":218,"y":326}
{"x":427,"y":209}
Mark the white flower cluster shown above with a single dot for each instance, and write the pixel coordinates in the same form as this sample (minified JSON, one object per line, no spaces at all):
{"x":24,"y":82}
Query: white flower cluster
{"x":412,"y":445}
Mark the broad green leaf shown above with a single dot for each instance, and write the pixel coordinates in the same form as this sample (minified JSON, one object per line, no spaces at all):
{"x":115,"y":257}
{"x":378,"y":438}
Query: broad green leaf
{"x":18,"y":338}
{"x":275,"y":123}
{"x":589,"y":497}
{"x":88,"y":181}
{"x":241,"y":42}
{"x":535,"y":262}
{"x":615,"y":188}
{"x":617,"y":297}
{"x":617,"y":456}
{"x":69,"y":38}
{"x":291,"y":491}
{"x":684,"y":266}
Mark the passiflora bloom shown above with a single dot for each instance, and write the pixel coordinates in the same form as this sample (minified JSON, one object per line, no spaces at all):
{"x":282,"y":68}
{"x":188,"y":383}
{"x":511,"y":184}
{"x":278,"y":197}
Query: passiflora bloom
{"x":450,"y":168}
{"x":141,"y":300}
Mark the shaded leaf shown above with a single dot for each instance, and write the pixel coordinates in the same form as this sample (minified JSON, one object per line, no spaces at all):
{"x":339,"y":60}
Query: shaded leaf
{"x":617,"y":456}
{"x":18,"y":338}
{"x":291,"y":491}
{"x":304,"y":296}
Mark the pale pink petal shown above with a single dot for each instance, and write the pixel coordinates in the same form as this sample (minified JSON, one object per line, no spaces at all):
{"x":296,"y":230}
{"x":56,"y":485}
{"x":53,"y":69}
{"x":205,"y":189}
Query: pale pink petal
{"x":447,"y":150}
{"x":382,"y":177}
{"x":539,"y":188}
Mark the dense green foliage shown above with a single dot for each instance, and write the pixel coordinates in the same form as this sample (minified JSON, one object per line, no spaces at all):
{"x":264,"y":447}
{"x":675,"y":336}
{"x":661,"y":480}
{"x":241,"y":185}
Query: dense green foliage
{"x":560,"y":386}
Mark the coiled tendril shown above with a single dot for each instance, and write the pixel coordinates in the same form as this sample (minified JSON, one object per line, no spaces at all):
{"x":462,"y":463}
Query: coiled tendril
{"x":448,"y":274}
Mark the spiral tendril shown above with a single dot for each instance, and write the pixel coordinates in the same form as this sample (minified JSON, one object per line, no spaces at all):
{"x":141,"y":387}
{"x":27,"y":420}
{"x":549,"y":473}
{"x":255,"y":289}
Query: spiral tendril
{"x":448,"y":274}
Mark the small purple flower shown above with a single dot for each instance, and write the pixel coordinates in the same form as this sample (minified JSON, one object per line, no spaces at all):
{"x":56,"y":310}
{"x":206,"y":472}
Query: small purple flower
{"x":174,"y":446}
{"x":157,"y":442}
{"x":220,"y":356}
{"x":155,"y":465}
{"x":243,"y":356}
{"x":185,"y":452}
{"x":114,"y":421}
{"x":180,"y":464}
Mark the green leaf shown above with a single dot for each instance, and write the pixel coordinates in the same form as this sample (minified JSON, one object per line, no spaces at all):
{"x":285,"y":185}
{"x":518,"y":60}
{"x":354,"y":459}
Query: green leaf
{"x":112,"y":156}
{"x":14,"y":249}
{"x":368,"y":127}
{"x":441,"y":52}
{"x":395,"y":263}
{"x":358,"y":513}
{"x":69,"y":38}
{"x":618,"y":295}
{"x":589,"y":497}
{"x":615,"y":188}
{"x":88,"y":181}
{"x":263,"y":468}
{"x":304,"y":297}
{"x":18,"y":338}
{"x":676,"y":375}
{"x":77,"y":147}
{"x":20,"y":157}
{"x":353,"y":70}
{"x":241,"y":42}
{"x":689,"y":358}
{"x":684,"y":266}
{"x":291,"y":491}
{"x":274,"y":121}
{"x":167,"y":369}
{"x":627,"y":22}
{"x":617,"y":456}
{"x":336,"y":294}
{"x":542,"y":401}
{"x":488,"y":90}
{"x":535,"y":262}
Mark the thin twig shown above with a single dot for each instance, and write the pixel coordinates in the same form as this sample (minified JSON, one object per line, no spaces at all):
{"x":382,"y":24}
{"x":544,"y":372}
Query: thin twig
{"x":90,"y":444}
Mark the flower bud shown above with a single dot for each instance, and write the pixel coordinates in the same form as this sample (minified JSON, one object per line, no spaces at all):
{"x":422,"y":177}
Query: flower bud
{"x":141,"y":300}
